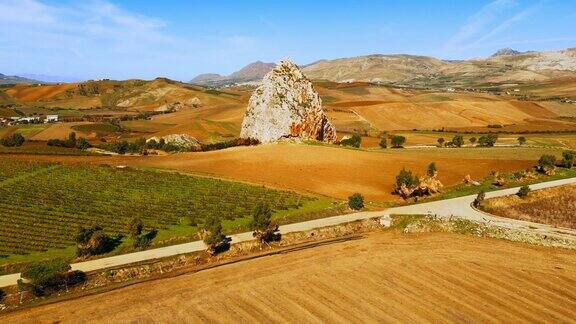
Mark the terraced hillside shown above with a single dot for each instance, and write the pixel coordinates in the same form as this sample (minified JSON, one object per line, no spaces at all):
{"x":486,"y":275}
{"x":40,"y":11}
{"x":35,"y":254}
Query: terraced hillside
{"x":43,"y":204}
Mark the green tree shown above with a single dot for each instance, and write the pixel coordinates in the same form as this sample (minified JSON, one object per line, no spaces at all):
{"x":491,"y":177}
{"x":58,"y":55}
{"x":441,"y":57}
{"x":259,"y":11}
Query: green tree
{"x":523,"y":192}
{"x":355,"y":140}
{"x":458,"y":140}
{"x":135,"y":227}
{"x":406,"y":178}
{"x":521,"y":140}
{"x":13,"y":140}
{"x":547,"y":162}
{"x":487,"y":140}
{"x":432,"y":169}
{"x":568,"y":158}
{"x":383,"y":142}
{"x":262,"y":226}
{"x":41,"y":274}
{"x":356,"y":201}
{"x":82,"y":144}
{"x":398,"y":141}
{"x":214,"y":237}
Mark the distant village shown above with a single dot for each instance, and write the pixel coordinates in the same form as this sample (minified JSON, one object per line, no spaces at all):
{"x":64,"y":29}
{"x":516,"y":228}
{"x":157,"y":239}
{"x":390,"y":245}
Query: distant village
{"x":10,"y":121}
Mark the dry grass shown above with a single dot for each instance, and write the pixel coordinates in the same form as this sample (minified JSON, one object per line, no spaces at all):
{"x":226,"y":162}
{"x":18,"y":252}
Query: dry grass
{"x":553,"y":206}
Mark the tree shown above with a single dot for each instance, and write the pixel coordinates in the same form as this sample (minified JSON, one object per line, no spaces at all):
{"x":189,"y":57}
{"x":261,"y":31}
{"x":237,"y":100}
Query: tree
{"x":521,"y":140}
{"x":215,"y":239}
{"x":13,"y":140}
{"x":135,"y":227}
{"x":547,"y":162}
{"x":42,"y":274}
{"x":398,"y":141}
{"x":523,"y":192}
{"x":353,"y":141}
{"x":262,"y":224}
{"x":71,"y":141}
{"x":487,"y":140}
{"x":82,"y":144}
{"x":406,"y":178}
{"x":441,"y":141}
{"x":458,"y":140}
{"x":383,"y":142}
{"x":356,"y":201}
{"x":432,"y":169}
{"x":91,"y":240}
{"x":568,"y":158}
{"x":479,"y":199}
{"x":472,"y":140}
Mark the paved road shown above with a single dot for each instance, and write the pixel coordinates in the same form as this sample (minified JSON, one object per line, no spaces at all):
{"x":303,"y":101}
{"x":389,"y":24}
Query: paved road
{"x":456,"y":207}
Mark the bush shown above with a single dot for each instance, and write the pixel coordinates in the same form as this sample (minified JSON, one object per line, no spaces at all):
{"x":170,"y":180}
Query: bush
{"x":458,"y":140}
{"x":495,"y":126}
{"x":46,"y":274}
{"x":568,"y":158}
{"x":135,"y":227}
{"x":91,"y":240}
{"x":353,"y":141}
{"x":398,"y":141}
{"x":82,"y":144}
{"x":406,"y":178}
{"x":472,"y":140}
{"x":521,"y":140}
{"x":356,"y":201}
{"x":71,"y":142}
{"x":13,"y":140}
{"x":523,"y":192}
{"x":487,"y":140}
{"x":547,"y":162}
{"x":432,"y":169}
{"x":383,"y":142}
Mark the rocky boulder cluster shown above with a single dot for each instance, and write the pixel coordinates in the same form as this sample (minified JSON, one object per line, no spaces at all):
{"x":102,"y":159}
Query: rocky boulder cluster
{"x":286,"y":105}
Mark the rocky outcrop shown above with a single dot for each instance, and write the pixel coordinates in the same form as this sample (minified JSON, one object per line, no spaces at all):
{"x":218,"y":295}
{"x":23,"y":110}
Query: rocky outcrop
{"x":180,"y":140}
{"x":286,"y":105}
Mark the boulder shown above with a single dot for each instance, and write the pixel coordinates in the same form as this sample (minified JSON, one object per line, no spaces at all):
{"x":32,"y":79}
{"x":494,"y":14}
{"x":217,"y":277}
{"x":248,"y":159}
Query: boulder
{"x":286,"y":105}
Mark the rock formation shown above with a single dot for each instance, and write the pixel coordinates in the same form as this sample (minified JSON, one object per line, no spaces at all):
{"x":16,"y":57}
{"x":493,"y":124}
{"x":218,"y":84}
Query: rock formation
{"x":286,"y":105}
{"x":180,"y":140}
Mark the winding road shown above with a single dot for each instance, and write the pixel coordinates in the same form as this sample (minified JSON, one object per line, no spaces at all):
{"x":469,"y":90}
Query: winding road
{"x":457,"y":207}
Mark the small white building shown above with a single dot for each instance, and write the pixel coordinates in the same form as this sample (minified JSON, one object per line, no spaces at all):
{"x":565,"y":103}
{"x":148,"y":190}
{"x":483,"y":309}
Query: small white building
{"x":51,"y":119}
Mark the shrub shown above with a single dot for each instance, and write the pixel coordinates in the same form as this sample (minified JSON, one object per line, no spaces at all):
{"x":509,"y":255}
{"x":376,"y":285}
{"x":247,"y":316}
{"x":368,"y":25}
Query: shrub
{"x":479,"y":199}
{"x":521,"y":140}
{"x":71,"y":142}
{"x":495,"y":126}
{"x":487,"y":140}
{"x":472,"y":140}
{"x":356,"y":201}
{"x":135,"y":226}
{"x":568,"y":158}
{"x":44,"y":274}
{"x":432,"y":169}
{"x":13,"y":140}
{"x":458,"y":140}
{"x":383,"y":142}
{"x":441,"y":141}
{"x":547,"y":162}
{"x":398,"y":141}
{"x":406,"y":178}
{"x":82,"y":144}
{"x":523,"y":192}
{"x":353,"y":141}
{"x":91,"y":240}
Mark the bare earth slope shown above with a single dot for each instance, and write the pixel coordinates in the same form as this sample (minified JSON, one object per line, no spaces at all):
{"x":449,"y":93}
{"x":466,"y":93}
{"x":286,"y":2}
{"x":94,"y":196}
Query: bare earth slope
{"x":385,"y":277}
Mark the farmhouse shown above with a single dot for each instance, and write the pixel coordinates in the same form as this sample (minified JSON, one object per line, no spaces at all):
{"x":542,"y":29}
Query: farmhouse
{"x":51,"y":119}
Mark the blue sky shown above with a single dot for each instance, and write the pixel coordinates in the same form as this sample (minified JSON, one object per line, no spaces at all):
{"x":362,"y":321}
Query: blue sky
{"x":180,"y":39}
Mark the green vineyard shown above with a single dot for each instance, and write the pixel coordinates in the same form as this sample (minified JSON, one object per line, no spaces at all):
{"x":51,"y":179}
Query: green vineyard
{"x":43,"y":205}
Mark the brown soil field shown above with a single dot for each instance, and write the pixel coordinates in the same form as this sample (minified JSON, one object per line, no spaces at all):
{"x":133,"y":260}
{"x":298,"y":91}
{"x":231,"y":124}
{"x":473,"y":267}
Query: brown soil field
{"x":553,"y":206}
{"x":28,"y":93}
{"x":330,"y":171}
{"x":334,"y":172}
{"x":384,"y":277}
{"x":61,"y":131}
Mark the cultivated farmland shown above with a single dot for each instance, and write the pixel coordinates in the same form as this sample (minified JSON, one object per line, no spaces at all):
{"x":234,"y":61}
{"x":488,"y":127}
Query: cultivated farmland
{"x":42,"y":205}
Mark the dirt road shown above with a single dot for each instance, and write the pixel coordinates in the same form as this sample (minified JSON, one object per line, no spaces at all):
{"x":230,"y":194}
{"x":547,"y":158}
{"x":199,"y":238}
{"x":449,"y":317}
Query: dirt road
{"x":385,"y":277}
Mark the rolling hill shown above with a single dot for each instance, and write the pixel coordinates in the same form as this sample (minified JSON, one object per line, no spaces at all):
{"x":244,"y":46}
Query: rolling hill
{"x":252,"y":72}
{"x":6,"y":79}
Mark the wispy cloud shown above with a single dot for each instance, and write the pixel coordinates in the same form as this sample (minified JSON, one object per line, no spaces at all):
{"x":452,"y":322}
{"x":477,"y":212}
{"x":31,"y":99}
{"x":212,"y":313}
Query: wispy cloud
{"x":93,"y":37}
{"x":478,"y":23}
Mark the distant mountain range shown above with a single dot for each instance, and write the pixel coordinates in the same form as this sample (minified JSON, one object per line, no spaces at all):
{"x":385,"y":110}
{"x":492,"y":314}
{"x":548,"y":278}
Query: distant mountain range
{"x":506,"y":65}
{"x":250,"y":73}
{"x":6,"y":79}
{"x":50,"y":78}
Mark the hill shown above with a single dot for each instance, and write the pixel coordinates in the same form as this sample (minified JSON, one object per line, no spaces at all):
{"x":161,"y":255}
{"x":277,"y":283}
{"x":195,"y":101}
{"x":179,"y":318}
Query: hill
{"x":252,"y":72}
{"x":5,"y":79}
